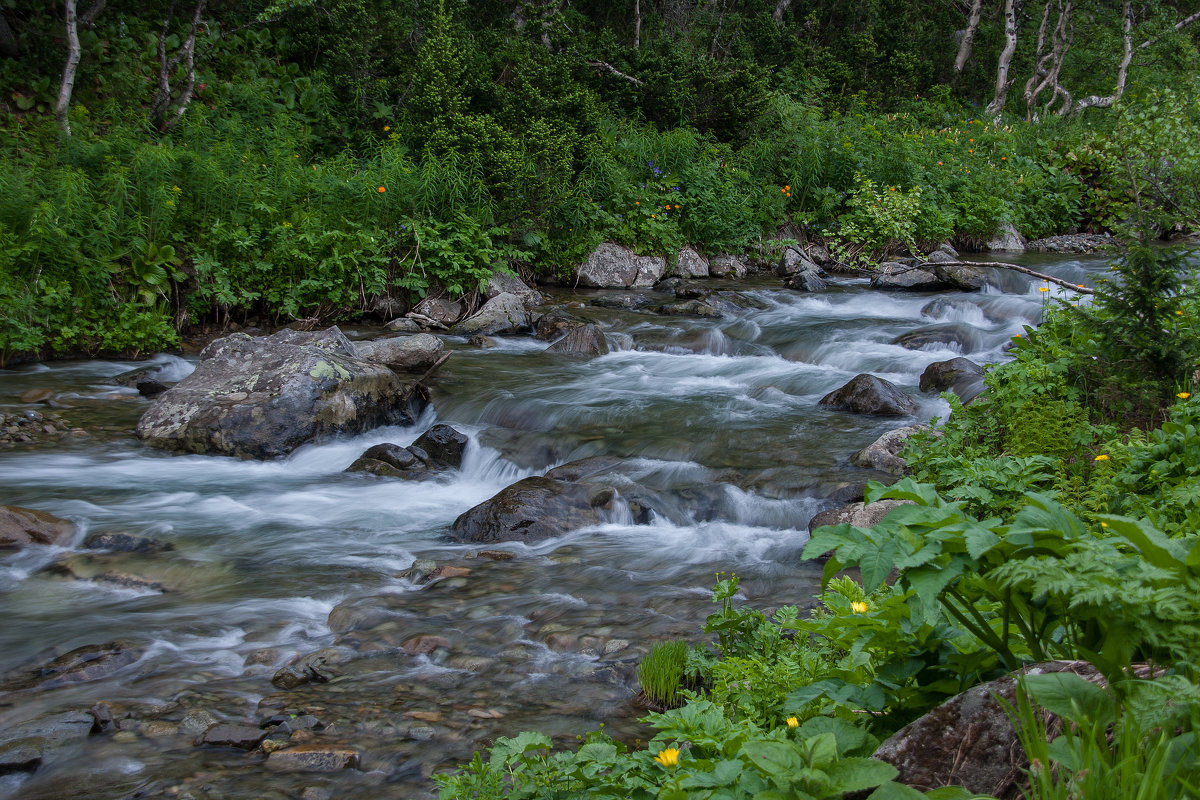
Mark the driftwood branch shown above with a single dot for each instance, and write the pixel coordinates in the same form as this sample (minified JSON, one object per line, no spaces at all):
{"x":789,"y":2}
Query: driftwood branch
{"x":604,"y":66}
{"x":1041,"y":276}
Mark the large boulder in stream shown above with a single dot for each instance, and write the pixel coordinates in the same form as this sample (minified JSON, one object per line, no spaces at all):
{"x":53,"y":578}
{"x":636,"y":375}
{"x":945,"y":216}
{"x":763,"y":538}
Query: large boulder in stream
{"x":438,"y":449}
{"x":584,"y":341}
{"x":20,"y":527}
{"x":952,"y":335}
{"x":867,"y":394}
{"x":405,"y":353}
{"x":533,"y":509}
{"x":883,"y":454}
{"x":611,"y":266}
{"x":897,"y":275}
{"x":504,"y":313}
{"x":960,"y":375}
{"x":33,"y":743}
{"x":262,"y":397}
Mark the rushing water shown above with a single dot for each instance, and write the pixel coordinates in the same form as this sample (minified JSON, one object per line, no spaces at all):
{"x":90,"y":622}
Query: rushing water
{"x":549,"y":639}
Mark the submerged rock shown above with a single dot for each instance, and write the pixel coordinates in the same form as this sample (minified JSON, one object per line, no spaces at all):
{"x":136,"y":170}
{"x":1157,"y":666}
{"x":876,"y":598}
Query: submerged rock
{"x":88,"y":663}
{"x":962,"y":337}
{"x":264,"y":397}
{"x":28,"y":745}
{"x":20,"y":527}
{"x":314,"y":758}
{"x":533,"y":509}
{"x":118,"y":542}
{"x":439,"y":448}
{"x":867,"y":394}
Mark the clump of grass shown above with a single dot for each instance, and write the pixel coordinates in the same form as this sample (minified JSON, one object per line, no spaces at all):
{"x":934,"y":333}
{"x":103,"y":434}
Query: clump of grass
{"x":662,"y":674}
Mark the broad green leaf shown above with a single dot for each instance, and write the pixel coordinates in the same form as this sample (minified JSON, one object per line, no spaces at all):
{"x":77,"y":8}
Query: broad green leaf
{"x":856,"y":774}
{"x":1070,"y":697}
{"x":1154,"y":546}
{"x":876,"y":565}
{"x":895,"y":791}
{"x":849,"y":737}
{"x":774,"y":758}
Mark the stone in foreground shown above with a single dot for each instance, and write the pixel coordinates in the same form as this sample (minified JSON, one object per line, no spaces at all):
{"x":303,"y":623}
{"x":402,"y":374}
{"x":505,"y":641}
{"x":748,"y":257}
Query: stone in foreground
{"x":314,"y":758}
{"x":612,"y":266}
{"x":20,"y":527}
{"x":883,"y":453}
{"x":264,"y":397}
{"x":866,"y":394}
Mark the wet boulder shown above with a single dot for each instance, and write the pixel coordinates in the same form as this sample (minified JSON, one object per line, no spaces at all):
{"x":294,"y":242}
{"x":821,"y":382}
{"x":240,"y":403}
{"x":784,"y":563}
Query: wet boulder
{"x":896,"y":275}
{"x":727,"y":266}
{"x":20,"y":527}
{"x":1072,"y":243}
{"x":690,"y":308}
{"x":55,"y":737}
{"x":944,"y":307}
{"x":960,"y":337}
{"x":262,"y":397}
{"x":503,"y":314}
{"x":806,"y":281}
{"x":690,"y":264}
{"x":867,"y":394}
{"x":960,"y":375}
{"x":316,"y":667}
{"x":533,"y":509}
{"x":88,"y":663}
{"x":959,"y":276}
{"x":444,"y":446}
{"x":585,"y":341}
{"x":406,"y":353}
{"x":314,"y":758}
{"x":611,"y":266}
{"x":555,"y":323}
{"x":240,"y":737}
{"x":120,"y":542}
{"x":883,"y":453}
{"x":858,"y":514}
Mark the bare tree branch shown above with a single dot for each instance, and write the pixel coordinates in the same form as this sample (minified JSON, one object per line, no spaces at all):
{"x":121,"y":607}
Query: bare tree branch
{"x":1075,"y":287}
{"x":604,"y":66}
{"x":964,"y":47}
{"x":781,"y":8}
{"x":68,"y":79}
{"x":1095,"y":101}
{"x":1003,"y":83}
{"x":160,"y":109}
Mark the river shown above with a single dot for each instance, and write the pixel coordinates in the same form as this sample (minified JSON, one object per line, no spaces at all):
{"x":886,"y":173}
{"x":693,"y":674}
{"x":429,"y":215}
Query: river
{"x":548,"y":639}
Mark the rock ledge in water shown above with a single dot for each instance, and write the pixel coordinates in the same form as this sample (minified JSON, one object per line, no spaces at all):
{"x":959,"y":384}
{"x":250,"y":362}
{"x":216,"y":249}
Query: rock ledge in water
{"x":20,"y":527}
{"x":867,"y":394}
{"x":264,"y":397}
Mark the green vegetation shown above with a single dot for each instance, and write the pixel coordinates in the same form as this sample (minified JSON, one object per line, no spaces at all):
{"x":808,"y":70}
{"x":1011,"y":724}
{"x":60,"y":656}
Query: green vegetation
{"x":296,"y":161}
{"x":1056,"y":517}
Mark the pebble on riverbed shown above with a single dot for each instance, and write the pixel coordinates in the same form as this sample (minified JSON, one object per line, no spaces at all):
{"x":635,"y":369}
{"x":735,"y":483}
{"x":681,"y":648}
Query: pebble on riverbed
{"x":32,"y":426}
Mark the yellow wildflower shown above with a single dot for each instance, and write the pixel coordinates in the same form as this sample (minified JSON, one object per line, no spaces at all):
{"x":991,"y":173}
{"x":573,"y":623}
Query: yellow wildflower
{"x":792,"y":722}
{"x":859,"y":607}
{"x":1184,"y":395}
{"x":1102,"y":457}
{"x":668,"y":757}
{"x":1043,"y":289}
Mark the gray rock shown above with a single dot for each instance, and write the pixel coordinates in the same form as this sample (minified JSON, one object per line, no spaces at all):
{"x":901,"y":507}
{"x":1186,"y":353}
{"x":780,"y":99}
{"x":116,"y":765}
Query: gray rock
{"x":242,"y":737}
{"x":586,"y":341}
{"x":555,"y":323}
{"x":503,"y":314}
{"x":969,"y":740}
{"x":439,"y":309}
{"x":197,"y":721}
{"x":503,"y":282}
{"x":612,"y":266}
{"x":727,"y":266}
{"x":961,"y":375}
{"x":88,"y":663}
{"x":940,"y":257}
{"x":1007,"y":239}
{"x":859,"y":515}
{"x":444,"y":446}
{"x":690,"y":264}
{"x":55,"y":737}
{"x":895,"y":275}
{"x":118,"y":542}
{"x":943,"y":307}
{"x":960,"y":276}
{"x":952,"y":335}
{"x":403,"y":325}
{"x":793,"y":261}
{"x":532,"y":509}
{"x":806,"y":281}
{"x":584,"y":468}
{"x":314,"y":758}
{"x":20,"y":527}
{"x":264,"y":397}
{"x":818,"y":254}
{"x":151,"y":388}
{"x":318,"y":667}
{"x":690,"y":308}
{"x":882,"y":453}
{"x":867,"y":394}
{"x":1072,"y":243}
{"x":411,"y":353}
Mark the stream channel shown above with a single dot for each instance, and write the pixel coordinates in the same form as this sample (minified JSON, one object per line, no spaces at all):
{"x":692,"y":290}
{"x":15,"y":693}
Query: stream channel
{"x":724,"y":410}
